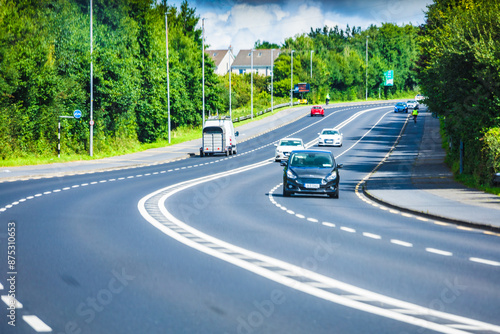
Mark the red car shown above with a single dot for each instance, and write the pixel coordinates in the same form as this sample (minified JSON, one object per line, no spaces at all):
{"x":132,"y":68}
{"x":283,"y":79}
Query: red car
{"x":317,"y":110}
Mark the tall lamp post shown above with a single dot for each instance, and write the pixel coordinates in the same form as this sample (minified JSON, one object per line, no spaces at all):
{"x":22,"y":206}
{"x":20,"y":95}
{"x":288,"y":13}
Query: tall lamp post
{"x":168,"y":78}
{"x":230,"y":70}
{"x":291,"y":79}
{"x":91,"y":148}
{"x":272,"y":78}
{"x":203,"y":65}
{"x":251,"y":82}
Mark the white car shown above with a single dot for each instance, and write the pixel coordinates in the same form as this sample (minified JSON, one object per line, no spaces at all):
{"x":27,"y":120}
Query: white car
{"x":330,"y":137}
{"x":287,"y":145}
{"x":412,"y":104}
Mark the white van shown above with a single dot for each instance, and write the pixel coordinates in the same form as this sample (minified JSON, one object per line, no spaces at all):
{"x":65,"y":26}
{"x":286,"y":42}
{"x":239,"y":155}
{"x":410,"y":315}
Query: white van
{"x":218,"y":136}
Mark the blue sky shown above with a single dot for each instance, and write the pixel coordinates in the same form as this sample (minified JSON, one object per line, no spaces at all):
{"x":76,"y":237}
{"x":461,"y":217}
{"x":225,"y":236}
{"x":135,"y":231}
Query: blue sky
{"x":240,"y":23}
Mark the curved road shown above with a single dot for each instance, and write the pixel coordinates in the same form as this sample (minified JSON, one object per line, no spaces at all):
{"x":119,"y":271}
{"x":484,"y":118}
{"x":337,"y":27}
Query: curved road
{"x":209,"y":245}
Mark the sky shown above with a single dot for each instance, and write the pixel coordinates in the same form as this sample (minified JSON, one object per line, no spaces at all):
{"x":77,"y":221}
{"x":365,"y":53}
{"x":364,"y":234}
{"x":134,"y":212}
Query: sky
{"x":240,"y":24}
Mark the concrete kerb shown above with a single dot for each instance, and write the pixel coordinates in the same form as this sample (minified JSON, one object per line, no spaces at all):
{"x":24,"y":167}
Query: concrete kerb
{"x":363,"y":185}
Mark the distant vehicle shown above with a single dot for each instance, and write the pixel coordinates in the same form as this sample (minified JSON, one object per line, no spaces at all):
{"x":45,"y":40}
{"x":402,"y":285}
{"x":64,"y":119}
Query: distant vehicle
{"x":400,"y":107}
{"x":330,"y":137}
{"x":419,"y":97}
{"x":412,"y":104}
{"x":317,"y":110}
{"x":311,"y":172}
{"x":218,"y":137}
{"x":286,"y":146}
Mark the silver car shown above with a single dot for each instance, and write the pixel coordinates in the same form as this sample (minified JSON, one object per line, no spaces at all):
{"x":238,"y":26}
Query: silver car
{"x":285,"y":146}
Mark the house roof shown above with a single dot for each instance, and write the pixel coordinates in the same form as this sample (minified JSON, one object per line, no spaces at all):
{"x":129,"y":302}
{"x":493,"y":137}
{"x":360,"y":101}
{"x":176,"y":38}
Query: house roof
{"x":217,"y":55}
{"x":261,"y":58}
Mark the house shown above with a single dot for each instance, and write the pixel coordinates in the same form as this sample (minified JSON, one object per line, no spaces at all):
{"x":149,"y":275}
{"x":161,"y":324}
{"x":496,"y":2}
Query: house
{"x":222,"y":59}
{"x":261,"y":61}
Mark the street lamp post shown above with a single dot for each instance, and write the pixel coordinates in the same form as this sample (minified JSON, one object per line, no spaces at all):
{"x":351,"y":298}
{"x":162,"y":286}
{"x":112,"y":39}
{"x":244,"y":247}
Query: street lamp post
{"x":272,"y":78}
{"x":203,"y":65}
{"x":91,"y":148}
{"x":230,"y":70}
{"x":251,"y":82}
{"x":291,"y":79}
{"x":168,"y":78}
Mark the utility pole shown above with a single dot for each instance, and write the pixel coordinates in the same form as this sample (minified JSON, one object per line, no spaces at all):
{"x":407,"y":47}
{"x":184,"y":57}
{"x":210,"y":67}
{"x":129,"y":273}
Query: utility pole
{"x":168,"y":78}
{"x":291,"y":79}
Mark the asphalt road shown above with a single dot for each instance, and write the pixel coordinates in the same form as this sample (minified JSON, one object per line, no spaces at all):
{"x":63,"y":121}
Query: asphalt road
{"x":149,"y":250}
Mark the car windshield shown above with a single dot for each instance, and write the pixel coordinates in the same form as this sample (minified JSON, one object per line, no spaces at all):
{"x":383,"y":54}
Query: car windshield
{"x":330,"y":132}
{"x":400,"y":104}
{"x":411,"y":101}
{"x":291,"y":143}
{"x":315,"y":160}
{"x":317,"y":107}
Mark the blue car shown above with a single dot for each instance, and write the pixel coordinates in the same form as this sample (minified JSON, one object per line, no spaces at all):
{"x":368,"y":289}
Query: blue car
{"x":311,"y":172}
{"x":400,"y":107}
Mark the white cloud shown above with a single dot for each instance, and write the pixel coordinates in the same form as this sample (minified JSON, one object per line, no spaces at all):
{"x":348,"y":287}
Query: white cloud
{"x":241,"y":24}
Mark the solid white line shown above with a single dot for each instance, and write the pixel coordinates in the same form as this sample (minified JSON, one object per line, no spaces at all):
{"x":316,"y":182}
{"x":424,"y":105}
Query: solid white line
{"x":37,"y":324}
{"x":439,"y":252}
{"x":401,"y":243}
{"x":484,"y":261}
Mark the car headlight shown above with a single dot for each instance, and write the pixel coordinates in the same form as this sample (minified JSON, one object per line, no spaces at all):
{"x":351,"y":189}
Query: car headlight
{"x":291,"y":175}
{"x":331,"y":177}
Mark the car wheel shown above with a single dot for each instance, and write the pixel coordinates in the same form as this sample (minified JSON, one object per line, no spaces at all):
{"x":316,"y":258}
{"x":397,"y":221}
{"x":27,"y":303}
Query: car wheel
{"x":335,"y":194}
{"x":286,"y":193}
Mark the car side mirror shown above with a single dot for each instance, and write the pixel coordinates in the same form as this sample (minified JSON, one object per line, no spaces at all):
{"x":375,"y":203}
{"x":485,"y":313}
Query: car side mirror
{"x":276,"y":144}
{"x":237,"y":133}
{"x":283,"y":163}
{"x":340,"y":165}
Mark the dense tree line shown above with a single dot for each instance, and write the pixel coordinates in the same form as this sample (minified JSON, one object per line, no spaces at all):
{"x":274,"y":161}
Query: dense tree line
{"x":45,"y":72}
{"x":339,"y":64}
{"x":459,"y":71}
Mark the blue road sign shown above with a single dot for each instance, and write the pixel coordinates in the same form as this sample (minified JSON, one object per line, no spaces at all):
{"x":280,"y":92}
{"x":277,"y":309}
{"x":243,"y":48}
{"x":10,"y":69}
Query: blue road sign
{"x":77,"y":113}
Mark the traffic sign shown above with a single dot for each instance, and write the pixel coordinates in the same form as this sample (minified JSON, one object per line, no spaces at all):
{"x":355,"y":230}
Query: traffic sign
{"x":389,"y":78}
{"x":77,"y":113}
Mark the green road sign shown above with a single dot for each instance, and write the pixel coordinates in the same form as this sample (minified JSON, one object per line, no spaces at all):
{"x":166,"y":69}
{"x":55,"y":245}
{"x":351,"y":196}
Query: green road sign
{"x":389,"y":78}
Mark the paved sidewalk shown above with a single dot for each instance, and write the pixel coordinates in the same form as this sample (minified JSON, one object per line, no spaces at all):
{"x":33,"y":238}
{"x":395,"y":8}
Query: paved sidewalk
{"x":422,"y":183}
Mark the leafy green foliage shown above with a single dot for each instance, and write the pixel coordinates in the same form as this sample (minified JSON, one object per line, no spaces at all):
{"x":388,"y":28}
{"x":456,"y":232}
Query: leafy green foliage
{"x":459,"y":72}
{"x":45,"y":73}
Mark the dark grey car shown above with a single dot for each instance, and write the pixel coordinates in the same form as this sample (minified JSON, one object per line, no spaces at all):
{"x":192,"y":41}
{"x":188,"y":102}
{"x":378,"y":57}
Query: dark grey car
{"x":311,"y":172}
